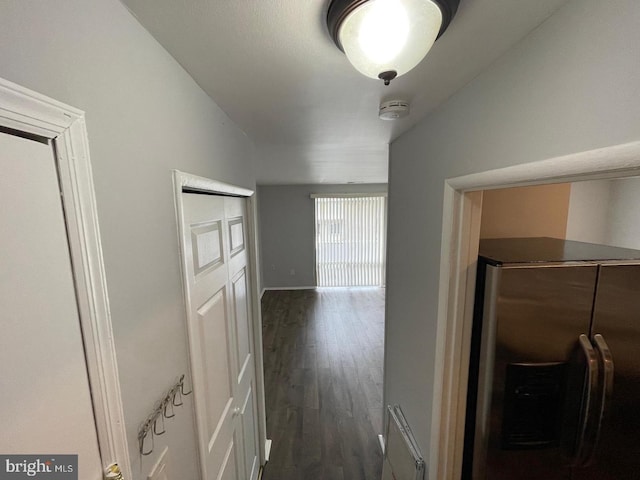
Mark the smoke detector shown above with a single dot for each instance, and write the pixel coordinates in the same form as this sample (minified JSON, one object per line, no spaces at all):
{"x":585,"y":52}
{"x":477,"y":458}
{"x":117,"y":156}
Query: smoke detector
{"x":393,"y":109}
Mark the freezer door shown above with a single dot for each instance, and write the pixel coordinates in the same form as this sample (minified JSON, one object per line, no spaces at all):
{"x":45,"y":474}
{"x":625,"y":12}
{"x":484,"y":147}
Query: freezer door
{"x":617,"y":319}
{"x":533,"y":318}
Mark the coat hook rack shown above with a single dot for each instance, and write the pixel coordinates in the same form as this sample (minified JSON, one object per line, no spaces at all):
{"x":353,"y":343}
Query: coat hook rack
{"x":154,"y":425}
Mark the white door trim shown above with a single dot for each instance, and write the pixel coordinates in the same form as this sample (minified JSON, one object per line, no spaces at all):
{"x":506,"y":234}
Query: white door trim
{"x":186,"y":181}
{"x":28,"y":112}
{"x":459,"y":250}
{"x":191,"y":182}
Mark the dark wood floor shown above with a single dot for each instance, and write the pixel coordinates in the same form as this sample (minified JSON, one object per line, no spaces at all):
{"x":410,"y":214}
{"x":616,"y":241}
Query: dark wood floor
{"x":323,"y":355}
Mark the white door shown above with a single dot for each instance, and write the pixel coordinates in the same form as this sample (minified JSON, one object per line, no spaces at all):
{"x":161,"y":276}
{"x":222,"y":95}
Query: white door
{"x":45,"y":402}
{"x":221,"y":335}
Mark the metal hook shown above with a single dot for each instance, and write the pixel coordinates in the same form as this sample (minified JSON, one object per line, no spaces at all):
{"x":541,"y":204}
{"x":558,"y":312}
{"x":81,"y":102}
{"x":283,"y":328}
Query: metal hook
{"x":158,"y":416}
{"x":177,"y":395}
{"x":155,"y":424}
{"x":167,"y":403}
{"x":181,"y":382}
{"x":144,"y":433}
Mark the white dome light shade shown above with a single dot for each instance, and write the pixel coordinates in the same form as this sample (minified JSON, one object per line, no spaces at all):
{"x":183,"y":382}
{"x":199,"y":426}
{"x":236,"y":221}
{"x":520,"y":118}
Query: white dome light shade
{"x":389,"y":35}
{"x":376,"y":47}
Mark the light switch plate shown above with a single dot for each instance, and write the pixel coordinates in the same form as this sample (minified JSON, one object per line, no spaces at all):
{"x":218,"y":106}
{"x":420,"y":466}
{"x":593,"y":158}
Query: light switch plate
{"x":160,"y":470}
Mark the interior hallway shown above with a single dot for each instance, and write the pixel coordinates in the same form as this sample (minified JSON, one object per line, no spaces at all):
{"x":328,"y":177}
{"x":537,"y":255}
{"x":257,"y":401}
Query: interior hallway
{"x":323,"y":357}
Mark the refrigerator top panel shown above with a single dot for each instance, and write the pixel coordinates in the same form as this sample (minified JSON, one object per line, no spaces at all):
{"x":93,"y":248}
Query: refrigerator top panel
{"x":549,"y":250}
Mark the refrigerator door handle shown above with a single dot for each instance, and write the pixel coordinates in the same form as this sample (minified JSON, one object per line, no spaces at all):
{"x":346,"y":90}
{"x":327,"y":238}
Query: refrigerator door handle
{"x":584,"y":444}
{"x":606,"y":389}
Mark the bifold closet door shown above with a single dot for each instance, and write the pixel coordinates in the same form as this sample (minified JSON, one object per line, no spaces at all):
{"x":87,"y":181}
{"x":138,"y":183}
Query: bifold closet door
{"x":221,"y":335}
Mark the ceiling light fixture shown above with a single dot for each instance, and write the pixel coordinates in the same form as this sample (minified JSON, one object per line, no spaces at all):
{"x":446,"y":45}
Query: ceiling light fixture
{"x":387,"y":38}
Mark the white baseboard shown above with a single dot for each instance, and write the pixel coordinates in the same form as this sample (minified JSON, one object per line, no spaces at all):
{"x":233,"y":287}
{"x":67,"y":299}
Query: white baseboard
{"x":291,"y":288}
{"x":262,"y":293}
{"x":267,"y":450}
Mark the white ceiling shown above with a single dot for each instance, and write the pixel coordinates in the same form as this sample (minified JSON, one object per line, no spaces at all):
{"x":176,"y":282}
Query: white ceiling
{"x":272,"y":67}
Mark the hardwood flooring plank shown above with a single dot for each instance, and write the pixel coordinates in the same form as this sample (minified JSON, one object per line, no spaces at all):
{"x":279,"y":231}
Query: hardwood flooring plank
{"x":323,"y":361}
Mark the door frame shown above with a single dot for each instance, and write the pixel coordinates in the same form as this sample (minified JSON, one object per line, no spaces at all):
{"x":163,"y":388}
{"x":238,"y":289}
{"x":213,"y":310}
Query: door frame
{"x":36,"y":116}
{"x":194,"y":183}
{"x":458,"y":258}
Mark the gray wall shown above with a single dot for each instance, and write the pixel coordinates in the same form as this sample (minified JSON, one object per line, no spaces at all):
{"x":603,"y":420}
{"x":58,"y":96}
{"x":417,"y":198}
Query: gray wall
{"x":145,"y":116}
{"x":572,"y":85}
{"x":287,"y":231}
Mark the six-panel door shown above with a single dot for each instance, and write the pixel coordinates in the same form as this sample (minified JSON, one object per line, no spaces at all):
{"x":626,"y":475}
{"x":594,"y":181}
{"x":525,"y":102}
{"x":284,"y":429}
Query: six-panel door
{"x":221,"y":335}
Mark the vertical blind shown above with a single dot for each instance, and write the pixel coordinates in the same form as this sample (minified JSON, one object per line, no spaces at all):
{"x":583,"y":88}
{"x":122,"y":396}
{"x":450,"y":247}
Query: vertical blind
{"x":350,"y":240}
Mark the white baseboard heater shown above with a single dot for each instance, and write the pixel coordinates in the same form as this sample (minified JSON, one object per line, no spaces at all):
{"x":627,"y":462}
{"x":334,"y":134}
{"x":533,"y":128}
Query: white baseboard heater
{"x":402,"y":458}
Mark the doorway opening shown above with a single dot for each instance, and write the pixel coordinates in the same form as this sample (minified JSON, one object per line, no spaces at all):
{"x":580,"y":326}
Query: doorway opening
{"x":551,"y":280}
{"x":36,"y":117}
{"x":461,"y":234}
{"x":219,"y":268}
{"x":323,"y":328}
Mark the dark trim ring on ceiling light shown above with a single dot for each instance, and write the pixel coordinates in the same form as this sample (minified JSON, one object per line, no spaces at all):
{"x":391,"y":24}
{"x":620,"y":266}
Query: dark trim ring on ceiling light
{"x":340,"y":9}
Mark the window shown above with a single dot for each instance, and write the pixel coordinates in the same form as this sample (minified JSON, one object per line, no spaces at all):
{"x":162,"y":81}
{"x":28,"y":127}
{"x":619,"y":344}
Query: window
{"x":350,"y":240}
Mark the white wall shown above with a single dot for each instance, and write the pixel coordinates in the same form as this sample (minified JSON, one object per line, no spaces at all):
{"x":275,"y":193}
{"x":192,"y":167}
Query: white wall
{"x":287,"y":231}
{"x":571,"y":85}
{"x":145,"y":116}
{"x":588,"y":211}
{"x":623,"y":224}
{"x":606,"y":211}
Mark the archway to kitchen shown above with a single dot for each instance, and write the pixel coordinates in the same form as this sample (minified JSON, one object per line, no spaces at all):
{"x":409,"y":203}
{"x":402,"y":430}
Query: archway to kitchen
{"x":600,"y":174}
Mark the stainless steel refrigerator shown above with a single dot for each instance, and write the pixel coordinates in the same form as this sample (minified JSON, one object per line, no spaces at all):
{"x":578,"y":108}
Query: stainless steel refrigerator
{"x":554,"y":378}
